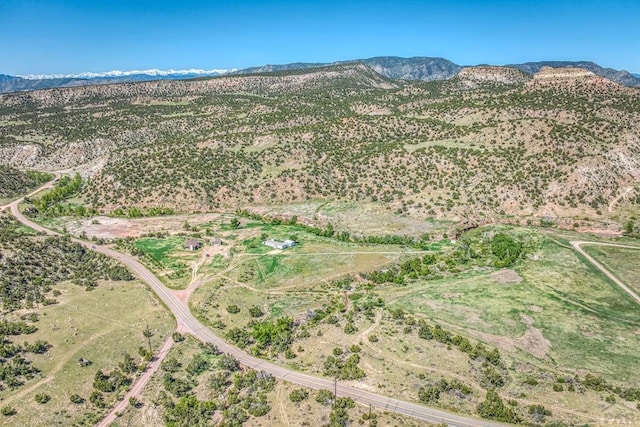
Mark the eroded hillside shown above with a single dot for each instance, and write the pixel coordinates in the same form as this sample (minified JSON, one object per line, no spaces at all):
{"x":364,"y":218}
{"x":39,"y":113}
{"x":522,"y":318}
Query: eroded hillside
{"x":491,"y":141}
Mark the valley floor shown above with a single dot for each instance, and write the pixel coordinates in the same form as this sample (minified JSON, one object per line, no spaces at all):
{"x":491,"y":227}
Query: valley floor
{"x":555,"y":333}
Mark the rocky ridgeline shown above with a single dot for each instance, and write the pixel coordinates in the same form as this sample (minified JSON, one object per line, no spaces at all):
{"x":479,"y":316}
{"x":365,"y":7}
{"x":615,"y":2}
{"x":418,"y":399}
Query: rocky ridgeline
{"x":485,"y":75}
{"x":576,"y":79}
{"x":504,"y":75}
{"x":548,"y":73}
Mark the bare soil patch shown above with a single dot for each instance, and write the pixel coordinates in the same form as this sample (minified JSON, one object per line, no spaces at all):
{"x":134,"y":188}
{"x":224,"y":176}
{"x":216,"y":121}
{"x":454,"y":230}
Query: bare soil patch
{"x":600,"y":232}
{"x":452,"y":295}
{"x":475,"y":319}
{"x":111,"y":228}
{"x":532,"y":341}
{"x":527,"y":320}
{"x":506,"y":276}
{"x":535,"y":343}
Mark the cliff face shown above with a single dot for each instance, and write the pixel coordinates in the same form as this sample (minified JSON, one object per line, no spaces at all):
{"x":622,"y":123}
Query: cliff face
{"x":493,"y":74}
{"x":618,"y":76}
{"x":549,"y":73}
{"x":576,"y":80}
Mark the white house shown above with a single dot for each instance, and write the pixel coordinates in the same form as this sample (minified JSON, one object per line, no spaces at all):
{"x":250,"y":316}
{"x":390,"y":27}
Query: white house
{"x":276,"y":244}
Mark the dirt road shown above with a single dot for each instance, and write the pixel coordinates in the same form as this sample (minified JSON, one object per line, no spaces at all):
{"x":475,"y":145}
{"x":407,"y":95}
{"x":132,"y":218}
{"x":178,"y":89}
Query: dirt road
{"x":138,"y":386}
{"x":577,"y":246}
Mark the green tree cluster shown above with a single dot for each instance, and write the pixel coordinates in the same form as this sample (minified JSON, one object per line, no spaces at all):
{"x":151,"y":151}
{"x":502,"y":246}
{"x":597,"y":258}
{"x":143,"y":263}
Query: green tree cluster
{"x":506,"y":249}
{"x":493,"y":408}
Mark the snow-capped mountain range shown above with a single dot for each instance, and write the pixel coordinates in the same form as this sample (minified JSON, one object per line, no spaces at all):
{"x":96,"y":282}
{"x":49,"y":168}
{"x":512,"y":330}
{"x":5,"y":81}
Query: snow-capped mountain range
{"x":118,"y":73}
{"x":417,"y":68}
{"x":47,"y":81}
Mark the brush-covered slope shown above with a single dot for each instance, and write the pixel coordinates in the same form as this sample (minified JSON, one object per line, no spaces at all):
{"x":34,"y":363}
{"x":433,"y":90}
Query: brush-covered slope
{"x":491,"y":140}
{"x":14,"y":182}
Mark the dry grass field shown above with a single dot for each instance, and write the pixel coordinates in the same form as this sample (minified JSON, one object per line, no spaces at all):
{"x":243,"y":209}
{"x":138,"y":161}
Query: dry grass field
{"x":100,"y":325}
{"x":282,"y":410}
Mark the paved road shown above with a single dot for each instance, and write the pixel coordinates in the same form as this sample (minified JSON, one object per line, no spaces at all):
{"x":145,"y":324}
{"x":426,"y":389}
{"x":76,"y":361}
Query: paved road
{"x":188,"y":322}
{"x":577,"y":246}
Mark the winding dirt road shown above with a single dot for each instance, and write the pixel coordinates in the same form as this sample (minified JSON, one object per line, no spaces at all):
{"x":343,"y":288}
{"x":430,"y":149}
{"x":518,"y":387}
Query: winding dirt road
{"x":619,"y":197}
{"x":189,"y":324}
{"x":138,"y":386}
{"x":577,"y":246}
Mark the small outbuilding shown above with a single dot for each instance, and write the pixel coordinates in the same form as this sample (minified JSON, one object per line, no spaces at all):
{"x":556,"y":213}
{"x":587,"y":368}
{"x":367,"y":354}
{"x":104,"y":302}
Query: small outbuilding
{"x":276,"y":244}
{"x":192,"y":245}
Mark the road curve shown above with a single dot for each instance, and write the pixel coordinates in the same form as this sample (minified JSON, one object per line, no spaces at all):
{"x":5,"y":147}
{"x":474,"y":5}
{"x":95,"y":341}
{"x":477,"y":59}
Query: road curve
{"x":191,"y":325}
{"x":49,"y":184}
{"x":577,"y":246}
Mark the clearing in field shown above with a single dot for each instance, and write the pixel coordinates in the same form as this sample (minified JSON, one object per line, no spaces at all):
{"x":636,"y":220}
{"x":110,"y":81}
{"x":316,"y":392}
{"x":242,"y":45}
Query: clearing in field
{"x":285,"y":282}
{"x":240,"y":256}
{"x":562,"y":311}
{"x":168,"y":258}
{"x":359,"y":218}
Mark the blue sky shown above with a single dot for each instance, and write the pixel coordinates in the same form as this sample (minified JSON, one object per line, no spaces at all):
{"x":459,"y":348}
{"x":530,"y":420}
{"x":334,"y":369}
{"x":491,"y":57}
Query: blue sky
{"x":67,"y":36}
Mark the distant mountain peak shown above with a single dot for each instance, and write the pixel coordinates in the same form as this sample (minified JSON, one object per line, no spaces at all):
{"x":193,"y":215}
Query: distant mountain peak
{"x":119,"y":73}
{"x":392,"y":67}
{"x":416,"y":68}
